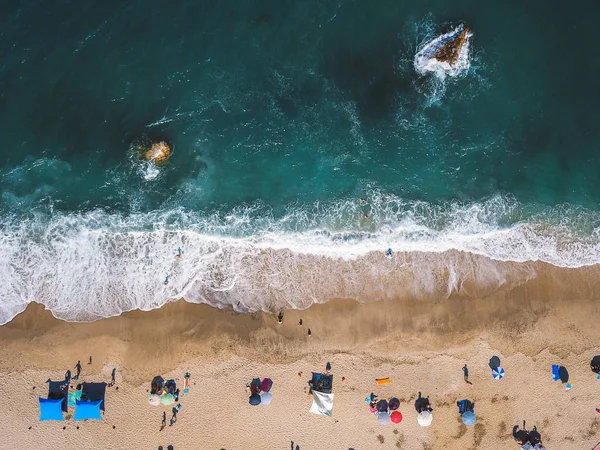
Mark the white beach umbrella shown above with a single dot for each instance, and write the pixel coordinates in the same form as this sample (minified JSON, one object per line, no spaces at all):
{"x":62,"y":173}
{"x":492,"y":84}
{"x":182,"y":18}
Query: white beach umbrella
{"x":384,"y":418}
{"x":425,"y":418}
{"x":265,"y":398}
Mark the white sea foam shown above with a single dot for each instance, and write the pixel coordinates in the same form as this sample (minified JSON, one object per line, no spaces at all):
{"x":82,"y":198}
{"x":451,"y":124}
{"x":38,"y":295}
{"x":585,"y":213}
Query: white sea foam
{"x":93,"y":265}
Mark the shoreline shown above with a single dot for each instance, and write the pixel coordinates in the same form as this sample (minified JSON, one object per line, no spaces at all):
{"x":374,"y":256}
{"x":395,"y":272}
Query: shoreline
{"x":273,"y":280}
{"x":421,"y":345}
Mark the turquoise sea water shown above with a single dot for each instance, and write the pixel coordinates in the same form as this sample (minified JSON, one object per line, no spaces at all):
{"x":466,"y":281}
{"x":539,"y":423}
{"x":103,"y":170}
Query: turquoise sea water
{"x":282,"y":115}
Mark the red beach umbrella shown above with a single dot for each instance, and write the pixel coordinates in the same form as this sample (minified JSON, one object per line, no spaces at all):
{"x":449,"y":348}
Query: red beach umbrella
{"x":396,"y":417}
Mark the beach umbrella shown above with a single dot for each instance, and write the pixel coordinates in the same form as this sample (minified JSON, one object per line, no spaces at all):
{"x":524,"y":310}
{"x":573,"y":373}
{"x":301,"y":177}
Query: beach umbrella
{"x":254,"y":399}
{"x":382,"y":406}
{"x":394,"y":404}
{"x":396,"y":417}
{"x":255,"y":385}
{"x":154,"y":399}
{"x":167,"y":399}
{"x":494,"y":362}
{"x":266,"y":384}
{"x":383,"y":418}
{"x":498,"y":373}
{"x":425,"y":418}
{"x":265,"y":398}
{"x":469,"y":418}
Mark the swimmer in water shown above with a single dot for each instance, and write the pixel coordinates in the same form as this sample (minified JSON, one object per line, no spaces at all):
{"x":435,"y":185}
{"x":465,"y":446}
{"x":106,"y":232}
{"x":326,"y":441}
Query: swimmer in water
{"x":362,"y":201}
{"x":166,"y":280}
{"x":365,"y":217}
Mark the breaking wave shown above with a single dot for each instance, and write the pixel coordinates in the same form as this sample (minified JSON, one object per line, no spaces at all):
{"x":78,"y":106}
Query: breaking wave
{"x":96,"y":264}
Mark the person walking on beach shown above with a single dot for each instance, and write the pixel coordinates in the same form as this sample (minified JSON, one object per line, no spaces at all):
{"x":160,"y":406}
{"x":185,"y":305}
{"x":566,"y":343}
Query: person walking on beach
{"x":164,"y":421}
{"x":78,"y":368}
{"x":90,"y":360}
{"x":113,"y":375}
{"x":466,"y":374}
{"x":280,"y":317}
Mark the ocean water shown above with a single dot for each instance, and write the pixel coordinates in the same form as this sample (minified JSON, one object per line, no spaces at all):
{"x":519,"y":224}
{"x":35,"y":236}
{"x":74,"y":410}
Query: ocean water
{"x":282,"y":115}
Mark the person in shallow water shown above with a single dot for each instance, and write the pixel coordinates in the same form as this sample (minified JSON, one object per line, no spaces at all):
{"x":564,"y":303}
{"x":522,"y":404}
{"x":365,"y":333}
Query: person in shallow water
{"x":280,"y":317}
{"x":166,"y":280}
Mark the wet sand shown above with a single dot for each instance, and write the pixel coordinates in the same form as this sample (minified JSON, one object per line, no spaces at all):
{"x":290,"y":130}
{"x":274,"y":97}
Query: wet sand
{"x":420,"y":345}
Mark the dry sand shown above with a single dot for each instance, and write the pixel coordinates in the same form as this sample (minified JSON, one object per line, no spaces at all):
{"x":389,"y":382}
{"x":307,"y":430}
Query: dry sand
{"x":420,"y":346}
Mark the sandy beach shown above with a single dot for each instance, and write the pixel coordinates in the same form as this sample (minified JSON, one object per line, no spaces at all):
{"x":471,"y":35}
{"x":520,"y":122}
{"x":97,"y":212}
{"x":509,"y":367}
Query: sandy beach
{"x":421,"y":346}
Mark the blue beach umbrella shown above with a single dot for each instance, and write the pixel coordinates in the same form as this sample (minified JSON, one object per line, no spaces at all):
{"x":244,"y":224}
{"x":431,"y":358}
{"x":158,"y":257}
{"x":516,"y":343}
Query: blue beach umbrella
{"x":468,"y":418}
{"x":498,"y":373}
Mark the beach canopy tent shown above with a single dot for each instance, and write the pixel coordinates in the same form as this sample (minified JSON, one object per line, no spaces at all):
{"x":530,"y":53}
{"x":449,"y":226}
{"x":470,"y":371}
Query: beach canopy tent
{"x":322,"y":382}
{"x":469,"y":418}
{"x":595,"y":364}
{"x":51,"y":409}
{"x":88,"y":410}
{"x":494,"y":362}
{"x":384,"y":418}
{"x":94,"y":392}
{"x":59,"y":390}
{"x":322,"y":403}
{"x":425,"y":418}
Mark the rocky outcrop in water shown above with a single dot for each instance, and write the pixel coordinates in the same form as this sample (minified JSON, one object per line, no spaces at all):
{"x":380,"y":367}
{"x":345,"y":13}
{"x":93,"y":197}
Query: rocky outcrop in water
{"x":450,"y":50}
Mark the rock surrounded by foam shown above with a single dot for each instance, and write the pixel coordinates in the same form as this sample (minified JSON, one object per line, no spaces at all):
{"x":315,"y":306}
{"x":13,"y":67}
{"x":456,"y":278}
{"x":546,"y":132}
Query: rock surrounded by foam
{"x":446,"y":55}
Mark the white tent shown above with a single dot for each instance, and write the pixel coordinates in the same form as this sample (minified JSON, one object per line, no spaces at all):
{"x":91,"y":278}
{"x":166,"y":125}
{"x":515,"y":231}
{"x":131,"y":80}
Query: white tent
{"x":322,"y":403}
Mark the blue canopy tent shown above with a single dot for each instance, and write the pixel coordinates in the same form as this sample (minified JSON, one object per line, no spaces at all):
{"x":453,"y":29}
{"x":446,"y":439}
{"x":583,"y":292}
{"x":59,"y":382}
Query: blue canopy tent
{"x":88,"y":410}
{"x":51,"y":409}
{"x":59,"y":390}
{"x":94,"y":392}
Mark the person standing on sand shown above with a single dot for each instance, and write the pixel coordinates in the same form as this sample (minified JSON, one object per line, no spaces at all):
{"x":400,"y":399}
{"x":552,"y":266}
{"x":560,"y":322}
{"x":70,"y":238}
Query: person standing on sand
{"x":78,"y":368}
{"x":113,"y":375}
{"x":164,"y":419}
{"x":466,"y":374}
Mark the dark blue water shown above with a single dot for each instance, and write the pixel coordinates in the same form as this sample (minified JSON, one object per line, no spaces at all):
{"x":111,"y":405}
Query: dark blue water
{"x":281,"y":115}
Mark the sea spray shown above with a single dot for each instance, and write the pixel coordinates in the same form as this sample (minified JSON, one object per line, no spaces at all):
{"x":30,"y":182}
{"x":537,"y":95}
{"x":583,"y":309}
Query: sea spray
{"x":96,"y":264}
